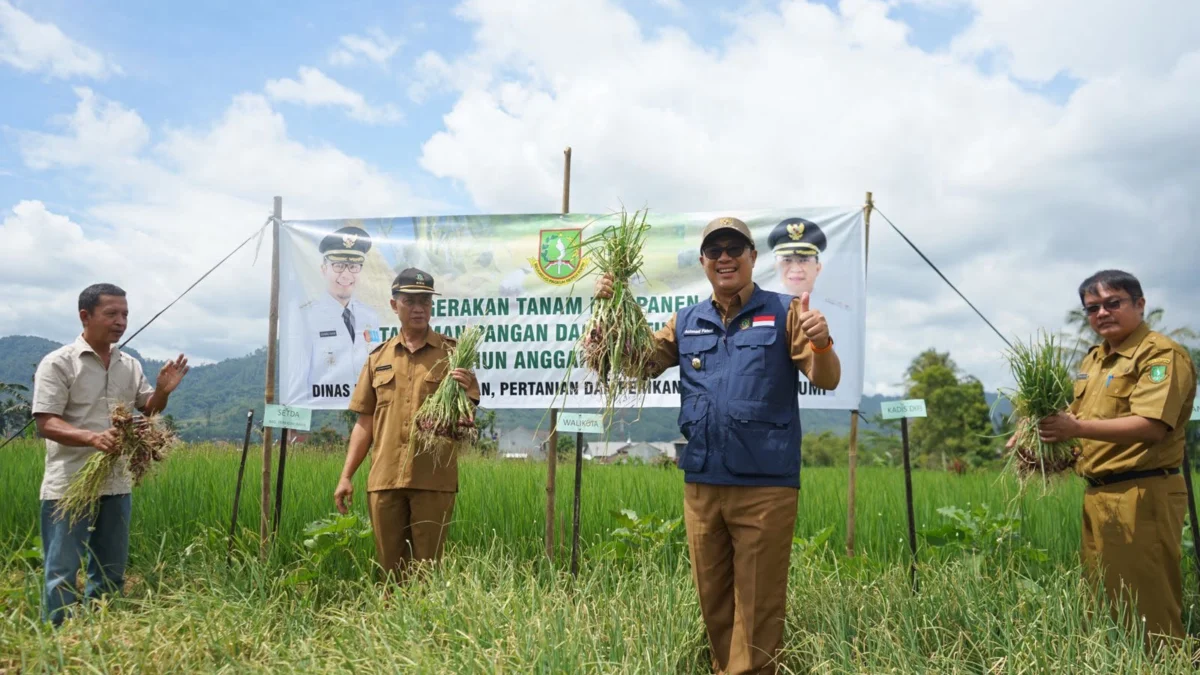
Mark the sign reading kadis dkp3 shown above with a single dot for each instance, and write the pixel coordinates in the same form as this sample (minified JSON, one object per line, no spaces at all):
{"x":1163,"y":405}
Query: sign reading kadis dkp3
{"x":894,"y":410}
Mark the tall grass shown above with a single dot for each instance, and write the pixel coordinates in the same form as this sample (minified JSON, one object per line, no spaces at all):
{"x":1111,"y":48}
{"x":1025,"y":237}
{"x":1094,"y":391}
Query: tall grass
{"x":507,"y":499}
{"x":496,"y":604}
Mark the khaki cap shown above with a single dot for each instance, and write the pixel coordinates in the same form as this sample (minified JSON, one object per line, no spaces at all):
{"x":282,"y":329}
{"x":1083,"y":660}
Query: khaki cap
{"x":725,"y":223}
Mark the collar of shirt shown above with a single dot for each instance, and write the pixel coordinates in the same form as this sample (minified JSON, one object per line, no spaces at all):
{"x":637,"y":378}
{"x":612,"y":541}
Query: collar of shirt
{"x":1130,"y":344}
{"x":82,"y":347}
{"x":739,"y":301}
{"x":432,"y":339}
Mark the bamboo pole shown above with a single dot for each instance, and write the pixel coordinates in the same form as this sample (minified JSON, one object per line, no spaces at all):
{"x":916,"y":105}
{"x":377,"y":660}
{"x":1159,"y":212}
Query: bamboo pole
{"x":852,"y":458}
{"x":552,"y":451}
{"x":272,"y":354}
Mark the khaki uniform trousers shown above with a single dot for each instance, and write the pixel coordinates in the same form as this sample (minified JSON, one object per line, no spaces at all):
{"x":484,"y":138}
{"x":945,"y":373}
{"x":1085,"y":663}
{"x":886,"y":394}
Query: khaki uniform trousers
{"x":740,"y":541}
{"x":1132,"y":534}
{"x":409,"y":526}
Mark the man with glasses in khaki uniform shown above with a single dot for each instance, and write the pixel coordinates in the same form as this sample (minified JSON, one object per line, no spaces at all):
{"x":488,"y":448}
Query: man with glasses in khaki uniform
{"x":1133,"y":397}
{"x":410,"y":497}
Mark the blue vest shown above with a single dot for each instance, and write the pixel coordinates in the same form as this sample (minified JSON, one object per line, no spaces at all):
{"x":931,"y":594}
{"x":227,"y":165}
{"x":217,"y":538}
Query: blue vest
{"x":738,"y":395}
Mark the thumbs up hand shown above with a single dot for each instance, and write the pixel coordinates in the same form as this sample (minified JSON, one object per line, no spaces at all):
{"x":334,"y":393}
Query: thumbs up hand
{"x":812,"y":322}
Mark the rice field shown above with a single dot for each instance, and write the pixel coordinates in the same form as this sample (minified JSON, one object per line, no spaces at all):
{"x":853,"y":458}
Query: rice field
{"x":497,"y":605}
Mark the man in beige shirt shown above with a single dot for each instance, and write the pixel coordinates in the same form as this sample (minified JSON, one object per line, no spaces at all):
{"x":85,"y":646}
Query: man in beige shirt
{"x":73,"y":391}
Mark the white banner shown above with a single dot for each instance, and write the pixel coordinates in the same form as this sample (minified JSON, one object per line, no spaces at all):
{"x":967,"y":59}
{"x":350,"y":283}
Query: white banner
{"x":526,"y":281}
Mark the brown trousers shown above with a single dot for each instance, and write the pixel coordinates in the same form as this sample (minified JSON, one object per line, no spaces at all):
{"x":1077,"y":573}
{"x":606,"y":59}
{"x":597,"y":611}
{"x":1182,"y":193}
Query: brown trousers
{"x":740,"y":541}
{"x":1132,"y":535}
{"x":409,"y":526}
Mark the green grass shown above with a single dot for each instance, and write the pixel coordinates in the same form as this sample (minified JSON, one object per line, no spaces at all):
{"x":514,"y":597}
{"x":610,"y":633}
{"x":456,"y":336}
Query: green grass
{"x":496,"y":605}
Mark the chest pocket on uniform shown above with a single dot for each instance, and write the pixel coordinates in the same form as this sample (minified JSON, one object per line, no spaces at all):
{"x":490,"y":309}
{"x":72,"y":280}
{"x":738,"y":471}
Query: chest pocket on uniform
{"x":433,"y":378}
{"x":750,"y":349}
{"x":1117,"y":392}
{"x":696,"y":350}
{"x":384,"y":383}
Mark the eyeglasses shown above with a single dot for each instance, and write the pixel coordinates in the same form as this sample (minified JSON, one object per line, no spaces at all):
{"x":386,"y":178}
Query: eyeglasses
{"x":734,"y":251}
{"x":1110,"y":305}
{"x":410,"y":300}
{"x":340,"y":267}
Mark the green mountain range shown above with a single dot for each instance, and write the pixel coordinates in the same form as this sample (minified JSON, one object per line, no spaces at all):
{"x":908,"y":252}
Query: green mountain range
{"x":212,"y":401}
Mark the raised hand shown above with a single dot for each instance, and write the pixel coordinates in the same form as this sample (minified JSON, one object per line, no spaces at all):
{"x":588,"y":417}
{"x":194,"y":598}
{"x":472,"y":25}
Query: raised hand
{"x":172,"y":374}
{"x":812,"y":322}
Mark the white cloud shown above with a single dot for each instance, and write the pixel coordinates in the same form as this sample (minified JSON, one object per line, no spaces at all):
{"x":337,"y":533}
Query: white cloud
{"x":1087,"y":38}
{"x":1017,"y":198}
{"x":163,"y":211}
{"x":99,"y":131}
{"x":376,"y":47}
{"x":32,"y":46}
{"x":315,"y":88}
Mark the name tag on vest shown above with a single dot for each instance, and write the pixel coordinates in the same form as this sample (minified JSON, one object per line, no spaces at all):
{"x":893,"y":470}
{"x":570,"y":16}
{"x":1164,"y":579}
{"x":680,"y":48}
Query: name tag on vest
{"x":329,"y":333}
{"x":698,"y":331}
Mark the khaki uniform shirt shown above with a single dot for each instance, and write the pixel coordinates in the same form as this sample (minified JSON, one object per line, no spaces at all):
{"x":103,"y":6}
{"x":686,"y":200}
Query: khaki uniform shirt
{"x":1149,"y":375}
{"x":393,"y":384}
{"x":666,"y":350}
{"x":71,"y":382}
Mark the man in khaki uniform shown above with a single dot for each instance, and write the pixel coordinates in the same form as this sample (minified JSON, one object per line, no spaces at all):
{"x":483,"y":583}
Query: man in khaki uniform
{"x":1133,"y":397}
{"x":738,"y":355}
{"x":410,"y":497}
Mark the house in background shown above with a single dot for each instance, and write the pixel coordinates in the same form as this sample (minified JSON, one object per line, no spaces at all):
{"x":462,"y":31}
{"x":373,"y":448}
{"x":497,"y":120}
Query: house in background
{"x":522,"y":443}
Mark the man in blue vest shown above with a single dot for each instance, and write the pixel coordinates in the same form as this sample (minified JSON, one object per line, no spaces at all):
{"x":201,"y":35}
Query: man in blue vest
{"x":738,"y":354}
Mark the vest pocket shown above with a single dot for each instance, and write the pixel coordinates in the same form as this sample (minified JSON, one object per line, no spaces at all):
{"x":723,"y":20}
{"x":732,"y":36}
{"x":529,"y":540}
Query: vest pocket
{"x":760,"y":440}
{"x":750,"y":349}
{"x":693,"y":417}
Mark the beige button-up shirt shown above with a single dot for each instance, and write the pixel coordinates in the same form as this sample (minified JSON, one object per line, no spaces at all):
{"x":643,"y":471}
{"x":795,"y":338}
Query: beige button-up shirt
{"x":71,"y":382}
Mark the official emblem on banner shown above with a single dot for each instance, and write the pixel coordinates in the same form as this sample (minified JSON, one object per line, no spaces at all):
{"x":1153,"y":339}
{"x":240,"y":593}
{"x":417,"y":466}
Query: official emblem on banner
{"x":560,"y":258}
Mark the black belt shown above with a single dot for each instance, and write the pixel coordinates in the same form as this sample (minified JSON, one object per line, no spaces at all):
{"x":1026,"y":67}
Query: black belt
{"x":1130,"y":475}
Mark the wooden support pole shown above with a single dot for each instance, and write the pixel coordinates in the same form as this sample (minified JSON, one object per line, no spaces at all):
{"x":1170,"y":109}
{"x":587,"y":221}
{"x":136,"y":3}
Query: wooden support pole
{"x":272,"y":354}
{"x":552,"y":451}
{"x":852,"y":458}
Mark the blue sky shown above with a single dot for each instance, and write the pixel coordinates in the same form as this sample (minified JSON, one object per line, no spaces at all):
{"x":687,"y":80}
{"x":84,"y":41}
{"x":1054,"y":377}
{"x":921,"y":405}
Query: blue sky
{"x":182,"y":62}
{"x":975,"y":122}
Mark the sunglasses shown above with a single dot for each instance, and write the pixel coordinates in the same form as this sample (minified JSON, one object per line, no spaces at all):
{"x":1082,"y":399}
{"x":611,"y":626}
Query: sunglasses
{"x":734,"y":250}
{"x":1110,"y":305}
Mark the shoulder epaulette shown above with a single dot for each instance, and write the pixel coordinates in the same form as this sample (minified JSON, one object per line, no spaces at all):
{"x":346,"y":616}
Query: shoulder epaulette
{"x":381,"y":344}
